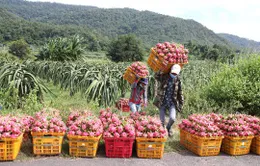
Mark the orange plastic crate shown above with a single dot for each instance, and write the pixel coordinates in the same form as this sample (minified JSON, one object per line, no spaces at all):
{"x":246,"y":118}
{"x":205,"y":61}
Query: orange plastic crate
{"x":83,"y":146}
{"x":236,"y":145}
{"x":119,"y":147}
{"x":157,"y":63}
{"x":130,"y":75}
{"x":150,"y":147}
{"x":47,"y":143}
{"x":10,"y":147}
{"x":154,"y":61}
{"x":255,"y":146}
{"x":202,"y":146}
{"x":183,"y":135}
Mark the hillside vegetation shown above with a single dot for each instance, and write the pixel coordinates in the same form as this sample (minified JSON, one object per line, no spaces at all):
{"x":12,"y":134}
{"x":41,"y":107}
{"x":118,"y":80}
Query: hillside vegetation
{"x":13,"y":28}
{"x":148,"y":26}
{"x":242,"y":43}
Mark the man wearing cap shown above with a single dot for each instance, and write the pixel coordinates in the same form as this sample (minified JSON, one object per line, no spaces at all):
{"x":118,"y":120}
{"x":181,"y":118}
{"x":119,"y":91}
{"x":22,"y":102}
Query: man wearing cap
{"x":138,"y":93}
{"x":169,"y":95}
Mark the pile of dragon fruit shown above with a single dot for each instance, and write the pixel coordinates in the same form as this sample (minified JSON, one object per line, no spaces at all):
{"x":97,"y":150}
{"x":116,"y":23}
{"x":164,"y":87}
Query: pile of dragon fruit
{"x":172,"y":52}
{"x":84,"y":123}
{"x":200,"y":125}
{"x":115,"y":126}
{"x":139,"y":69}
{"x":234,"y":125}
{"x":48,"y":120}
{"x":112,"y":125}
{"x":10,"y":127}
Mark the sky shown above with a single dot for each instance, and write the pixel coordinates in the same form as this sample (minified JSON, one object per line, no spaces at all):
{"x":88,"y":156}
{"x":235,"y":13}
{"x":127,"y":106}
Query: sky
{"x":240,"y":17}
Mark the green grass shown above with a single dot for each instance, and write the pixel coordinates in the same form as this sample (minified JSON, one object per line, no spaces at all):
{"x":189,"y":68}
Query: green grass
{"x":173,"y":144}
{"x":64,"y":102}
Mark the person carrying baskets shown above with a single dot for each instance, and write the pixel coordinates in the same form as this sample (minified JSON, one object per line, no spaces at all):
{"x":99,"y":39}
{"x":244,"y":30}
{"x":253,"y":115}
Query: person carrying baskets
{"x":169,"y":95}
{"x":138,"y":94}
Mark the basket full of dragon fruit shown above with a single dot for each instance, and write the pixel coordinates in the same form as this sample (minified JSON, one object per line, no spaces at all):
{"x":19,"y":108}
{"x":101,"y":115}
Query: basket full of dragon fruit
{"x":135,"y":71}
{"x":238,"y":134}
{"x":164,"y":55}
{"x":47,"y":131}
{"x":11,"y":136}
{"x":84,"y":133}
{"x":119,"y":134}
{"x":201,"y":135}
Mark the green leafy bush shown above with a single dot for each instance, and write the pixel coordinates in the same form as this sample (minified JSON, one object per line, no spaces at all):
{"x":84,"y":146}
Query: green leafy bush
{"x":5,"y":56}
{"x":239,"y":83}
{"x":126,"y":48}
{"x":62,"y":49}
{"x":20,"y":48}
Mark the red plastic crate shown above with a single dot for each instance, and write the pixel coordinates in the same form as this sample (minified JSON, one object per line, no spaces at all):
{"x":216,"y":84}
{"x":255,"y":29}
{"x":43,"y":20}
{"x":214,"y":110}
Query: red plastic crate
{"x":123,"y":107}
{"x":119,"y":147}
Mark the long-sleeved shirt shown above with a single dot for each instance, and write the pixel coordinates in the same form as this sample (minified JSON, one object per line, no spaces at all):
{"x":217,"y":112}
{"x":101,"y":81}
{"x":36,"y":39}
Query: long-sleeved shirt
{"x":138,"y":93}
{"x":177,"y":96}
{"x":168,"y":100}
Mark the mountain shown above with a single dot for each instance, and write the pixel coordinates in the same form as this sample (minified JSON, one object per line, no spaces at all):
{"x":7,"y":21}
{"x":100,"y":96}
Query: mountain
{"x":242,"y":43}
{"x":150,"y":27}
{"x":13,"y":27}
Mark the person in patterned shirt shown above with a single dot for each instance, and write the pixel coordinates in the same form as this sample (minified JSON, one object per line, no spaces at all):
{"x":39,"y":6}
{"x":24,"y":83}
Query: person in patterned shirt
{"x":169,"y":95}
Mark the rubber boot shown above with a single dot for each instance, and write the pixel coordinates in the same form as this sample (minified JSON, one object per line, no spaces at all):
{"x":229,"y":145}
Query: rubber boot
{"x":168,"y":127}
{"x":163,"y":125}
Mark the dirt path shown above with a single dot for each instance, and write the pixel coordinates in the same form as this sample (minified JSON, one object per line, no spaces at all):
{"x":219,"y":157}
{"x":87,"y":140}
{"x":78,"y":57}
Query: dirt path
{"x":183,"y":158}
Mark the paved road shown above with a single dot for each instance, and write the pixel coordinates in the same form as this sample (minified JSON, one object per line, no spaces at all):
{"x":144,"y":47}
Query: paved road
{"x":183,"y":158}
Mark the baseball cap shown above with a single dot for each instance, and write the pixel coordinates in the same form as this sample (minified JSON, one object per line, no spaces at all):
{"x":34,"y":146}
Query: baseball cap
{"x":176,"y":69}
